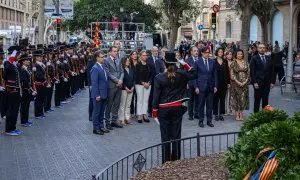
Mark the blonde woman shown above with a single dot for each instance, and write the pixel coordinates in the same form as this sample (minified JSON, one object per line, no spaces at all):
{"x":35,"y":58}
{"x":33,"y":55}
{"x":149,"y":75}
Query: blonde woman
{"x":143,"y":77}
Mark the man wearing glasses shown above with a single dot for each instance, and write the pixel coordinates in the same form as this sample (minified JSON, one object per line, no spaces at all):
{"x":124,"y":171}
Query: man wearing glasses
{"x":99,"y":93}
{"x":205,"y":86}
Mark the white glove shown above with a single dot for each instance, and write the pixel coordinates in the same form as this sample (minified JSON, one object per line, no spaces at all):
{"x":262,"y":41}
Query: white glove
{"x":1,"y":66}
{"x":81,"y":71}
{"x":48,"y":63}
{"x":181,"y":61}
{"x":65,"y":61}
{"x":14,"y":53}
{"x":2,"y":88}
{"x":65,"y":80}
{"x":57,"y":62}
{"x":34,"y":93}
{"x":33,"y":68}
{"x":57,"y":82}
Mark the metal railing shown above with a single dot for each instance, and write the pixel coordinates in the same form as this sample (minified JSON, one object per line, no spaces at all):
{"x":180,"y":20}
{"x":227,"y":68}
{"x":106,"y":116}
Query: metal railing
{"x":150,"y":157}
{"x":130,"y":35}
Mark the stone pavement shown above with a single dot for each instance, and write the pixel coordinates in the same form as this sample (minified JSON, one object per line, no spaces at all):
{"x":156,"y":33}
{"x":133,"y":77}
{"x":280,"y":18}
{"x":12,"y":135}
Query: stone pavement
{"x":63,"y":147}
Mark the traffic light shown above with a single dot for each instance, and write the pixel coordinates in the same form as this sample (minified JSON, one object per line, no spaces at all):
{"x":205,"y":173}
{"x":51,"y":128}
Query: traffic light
{"x":58,"y":24}
{"x":213,"y":21}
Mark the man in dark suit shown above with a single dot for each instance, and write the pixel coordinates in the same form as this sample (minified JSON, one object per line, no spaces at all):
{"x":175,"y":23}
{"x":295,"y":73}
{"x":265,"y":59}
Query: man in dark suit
{"x":158,"y":64}
{"x":115,"y":74}
{"x":262,"y":77}
{"x":194,"y":101}
{"x":206,"y":85}
{"x":99,"y":93}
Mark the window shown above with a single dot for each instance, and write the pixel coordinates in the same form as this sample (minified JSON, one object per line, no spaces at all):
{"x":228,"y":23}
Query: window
{"x":228,"y":29}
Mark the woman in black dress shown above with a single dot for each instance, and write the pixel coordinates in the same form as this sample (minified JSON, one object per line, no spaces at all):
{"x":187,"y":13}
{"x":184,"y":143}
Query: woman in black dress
{"x":223,"y":84}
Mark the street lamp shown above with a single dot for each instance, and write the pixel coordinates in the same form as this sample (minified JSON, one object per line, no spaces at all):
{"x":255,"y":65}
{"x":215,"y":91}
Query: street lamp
{"x":289,"y":67}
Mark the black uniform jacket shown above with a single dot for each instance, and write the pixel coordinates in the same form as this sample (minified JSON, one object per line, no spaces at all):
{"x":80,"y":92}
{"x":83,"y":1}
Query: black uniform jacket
{"x":166,"y":92}
{"x":25,"y":77}
{"x":11,"y":75}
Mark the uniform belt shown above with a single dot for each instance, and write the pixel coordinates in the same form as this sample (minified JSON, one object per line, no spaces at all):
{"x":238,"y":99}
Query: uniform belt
{"x":10,"y":89}
{"x":171,"y":104}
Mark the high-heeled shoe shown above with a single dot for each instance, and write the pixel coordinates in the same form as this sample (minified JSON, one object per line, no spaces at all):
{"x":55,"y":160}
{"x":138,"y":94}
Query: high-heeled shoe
{"x":146,"y":119}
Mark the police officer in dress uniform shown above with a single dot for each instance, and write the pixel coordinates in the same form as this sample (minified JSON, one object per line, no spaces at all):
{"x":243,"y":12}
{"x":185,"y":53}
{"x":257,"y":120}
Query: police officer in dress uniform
{"x":14,"y":92}
{"x":169,"y":95}
{"x":59,"y":79}
{"x":27,"y":91}
{"x":49,"y":79}
{"x":40,"y":82}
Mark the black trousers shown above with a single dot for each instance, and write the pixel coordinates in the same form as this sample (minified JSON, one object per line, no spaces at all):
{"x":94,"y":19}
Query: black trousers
{"x":81,"y":80}
{"x":90,"y":105}
{"x":58,"y":94}
{"x":150,"y":99}
{"x":219,"y":97}
{"x":133,"y":103}
{"x":73,"y":85}
{"x":261,"y":95}
{"x":170,"y":120}
{"x":39,"y":101}
{"x":13,"y":105}
{"x":3,"y":103}
{"x":68,"y":88}
{"x":25,"y":102}
{"x":48,"y":97}
{"x":193,"y":102}
{"x":279,"y":71}
{"x":65,"y":89}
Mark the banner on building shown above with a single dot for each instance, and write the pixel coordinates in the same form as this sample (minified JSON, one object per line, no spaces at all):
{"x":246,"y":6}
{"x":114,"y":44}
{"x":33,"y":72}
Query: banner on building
{"x":65,"y":8}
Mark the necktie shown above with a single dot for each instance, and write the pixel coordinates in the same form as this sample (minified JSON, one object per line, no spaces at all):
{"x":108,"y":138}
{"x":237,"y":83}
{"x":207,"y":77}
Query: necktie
{"x":104,"y":72}
{"x":206,"y":64}
{"x":264,"y":60}
{"x":115,"y":63}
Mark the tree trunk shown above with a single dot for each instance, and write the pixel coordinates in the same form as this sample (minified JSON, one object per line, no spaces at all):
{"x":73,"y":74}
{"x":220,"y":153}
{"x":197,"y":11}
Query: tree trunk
{"x":173,"y":34}
{"x":264,"y":30}
{"x":245,"y":30}
{"x":41,"y":22}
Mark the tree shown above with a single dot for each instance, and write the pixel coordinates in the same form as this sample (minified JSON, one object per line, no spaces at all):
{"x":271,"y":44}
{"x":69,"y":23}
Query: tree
{"x":86,"y":11}
{"x":244,"y":6}
{"x":263,"y":9}
{"x":173,"y":9}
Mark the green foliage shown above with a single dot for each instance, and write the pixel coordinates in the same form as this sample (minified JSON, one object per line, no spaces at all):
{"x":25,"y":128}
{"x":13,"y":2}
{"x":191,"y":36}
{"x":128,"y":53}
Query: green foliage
{"x":86,"y":11}
{"x":283,"y":135}
{"x":257,"y":119}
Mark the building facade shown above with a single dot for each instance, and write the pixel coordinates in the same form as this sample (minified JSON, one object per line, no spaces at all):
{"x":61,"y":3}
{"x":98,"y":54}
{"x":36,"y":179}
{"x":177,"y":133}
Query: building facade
{"x":229,"y":23}
{"x":13,"y":14}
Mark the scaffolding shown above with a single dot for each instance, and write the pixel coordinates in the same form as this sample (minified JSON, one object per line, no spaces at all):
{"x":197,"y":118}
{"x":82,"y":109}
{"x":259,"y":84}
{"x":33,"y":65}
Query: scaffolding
{"x":130,"y":35}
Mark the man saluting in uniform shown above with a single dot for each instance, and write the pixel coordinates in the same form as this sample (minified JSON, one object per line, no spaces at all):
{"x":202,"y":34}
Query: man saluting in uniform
{"x":14,"y":92}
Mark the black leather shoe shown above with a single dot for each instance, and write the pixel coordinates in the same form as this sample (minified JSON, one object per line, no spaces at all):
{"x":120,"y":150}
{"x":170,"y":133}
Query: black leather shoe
{"x":117,"y":125}
{"x":210,"y":124}
{"x":201,"y":124}
{"x":150,"y":115}
{"x":104,"y":130}
{"x":108,"y":126}
{"x":140,"y":121}
{"x":191,"y":118}
{"x":196,"y":117}
{"x":146,"y":120}
{"x":221,"y":118}
{"x":217,"y":118}
{"x":98,"y":132}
